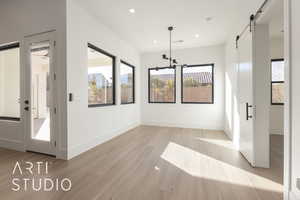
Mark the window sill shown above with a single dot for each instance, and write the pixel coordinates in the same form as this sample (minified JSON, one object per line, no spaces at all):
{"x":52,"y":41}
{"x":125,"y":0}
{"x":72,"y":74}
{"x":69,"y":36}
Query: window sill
{"x":10,"y":119}
{"x":101,"y":105}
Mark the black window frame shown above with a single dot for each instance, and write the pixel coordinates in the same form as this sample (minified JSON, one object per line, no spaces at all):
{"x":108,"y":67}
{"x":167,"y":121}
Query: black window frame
{"x":133,"y":79}
{"x":4,"y":48}
{"x":113,"y":76}
{"x":275,"y":60}
{"x":161,"y":102}
{"x":213,"y":83}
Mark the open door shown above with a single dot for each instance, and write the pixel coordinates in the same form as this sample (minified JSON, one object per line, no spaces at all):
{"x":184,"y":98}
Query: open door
{"x":245,"y":84}
{"x":39,"y":102}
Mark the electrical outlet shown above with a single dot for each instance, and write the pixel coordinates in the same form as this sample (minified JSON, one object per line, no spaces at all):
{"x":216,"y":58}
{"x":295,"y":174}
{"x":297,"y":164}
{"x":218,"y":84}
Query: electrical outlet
{"x":298,"y":183}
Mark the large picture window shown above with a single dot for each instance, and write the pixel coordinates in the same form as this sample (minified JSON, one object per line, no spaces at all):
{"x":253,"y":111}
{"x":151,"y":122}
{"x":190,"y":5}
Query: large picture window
{"x":101,"y":77}
{"x":277,"y":84}
{"x":10,"y":82}
{"x":127,"y":83}
{"x":161,"y":85}
{"x":197,"y":84}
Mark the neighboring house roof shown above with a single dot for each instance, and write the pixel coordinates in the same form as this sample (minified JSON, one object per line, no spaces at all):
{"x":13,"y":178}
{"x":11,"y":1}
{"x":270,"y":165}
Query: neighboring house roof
{"x":201,"y":77}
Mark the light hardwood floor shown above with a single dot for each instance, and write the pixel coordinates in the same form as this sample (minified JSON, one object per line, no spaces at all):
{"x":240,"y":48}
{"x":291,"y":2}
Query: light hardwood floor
{"x":155,"y":163}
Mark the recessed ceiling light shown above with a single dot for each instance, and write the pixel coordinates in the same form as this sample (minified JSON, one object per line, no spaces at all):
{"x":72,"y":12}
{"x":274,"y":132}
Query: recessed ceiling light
{"x":208,"y":19}
{"x":155,"y":41}
{"x":132,"y":10}
{"x":197,"y":35}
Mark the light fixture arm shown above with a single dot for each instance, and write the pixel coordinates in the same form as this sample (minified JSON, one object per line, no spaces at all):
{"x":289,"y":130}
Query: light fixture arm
{"x":172,"y":62}
{"x":170,"y":30}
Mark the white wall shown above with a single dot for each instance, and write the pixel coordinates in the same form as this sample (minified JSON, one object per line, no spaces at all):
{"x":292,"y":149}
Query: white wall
{"x":88,"y":127}
{"x":293,"y":104}
{"x":10,"y":83}
{"x":204,"y":116}
{"x":232,"y":122}
{"x":23,"y":18}
{"x":276,"y":111}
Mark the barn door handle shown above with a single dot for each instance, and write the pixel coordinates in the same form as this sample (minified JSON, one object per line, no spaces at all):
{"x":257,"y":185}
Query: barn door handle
{"x":247,"y":111}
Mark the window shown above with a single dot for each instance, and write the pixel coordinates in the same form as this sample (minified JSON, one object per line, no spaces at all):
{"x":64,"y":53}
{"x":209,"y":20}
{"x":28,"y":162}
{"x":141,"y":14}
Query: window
{"x":161,"y":85}
{"x":10,"y":82}
{"x":277,"y":84}
{"x":197,"y":84}
{"x":101,"y":78}
{"x":127,"y":83}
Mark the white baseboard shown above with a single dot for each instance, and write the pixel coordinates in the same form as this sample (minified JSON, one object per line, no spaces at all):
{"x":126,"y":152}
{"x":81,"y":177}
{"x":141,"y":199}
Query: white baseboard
{"x":12,"y":144}
{"x":62,"y":154}
{"x":177,"y":125}
{"x":81,"y":148}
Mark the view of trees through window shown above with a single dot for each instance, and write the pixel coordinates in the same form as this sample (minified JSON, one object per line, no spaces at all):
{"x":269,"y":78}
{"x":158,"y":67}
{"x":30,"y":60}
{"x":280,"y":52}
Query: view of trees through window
{"x":197,"y":84}
{"x":277,"y":81}
{"x":127,"y":83}
{"x":162,"y":85}
{"x":100,"y":77}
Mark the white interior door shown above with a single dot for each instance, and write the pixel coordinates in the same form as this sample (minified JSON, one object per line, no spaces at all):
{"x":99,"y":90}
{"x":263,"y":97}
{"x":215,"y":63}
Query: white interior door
{"x":245,"y":84}
{"x":39,"y":102}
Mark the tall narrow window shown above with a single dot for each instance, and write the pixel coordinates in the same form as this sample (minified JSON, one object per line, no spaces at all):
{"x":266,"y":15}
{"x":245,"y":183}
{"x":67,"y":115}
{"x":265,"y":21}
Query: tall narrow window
{"x":197,"y":84}
{"x":277,"y":84}
{"x":10,"y":82}
{"x":161,"y":85}
{"x":127,"y":83}
{"x":101,"y":78}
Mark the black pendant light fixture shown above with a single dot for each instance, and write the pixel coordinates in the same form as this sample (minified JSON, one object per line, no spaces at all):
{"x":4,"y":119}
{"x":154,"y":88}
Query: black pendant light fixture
{"x":172,"y":61}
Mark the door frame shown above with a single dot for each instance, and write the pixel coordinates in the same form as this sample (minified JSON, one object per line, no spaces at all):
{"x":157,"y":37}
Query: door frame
{"x":287,"y":102}
{"x":26,"y":92}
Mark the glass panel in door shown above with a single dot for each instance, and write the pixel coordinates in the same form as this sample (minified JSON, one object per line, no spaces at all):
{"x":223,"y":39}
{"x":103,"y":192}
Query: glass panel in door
{"x":40,"y":91}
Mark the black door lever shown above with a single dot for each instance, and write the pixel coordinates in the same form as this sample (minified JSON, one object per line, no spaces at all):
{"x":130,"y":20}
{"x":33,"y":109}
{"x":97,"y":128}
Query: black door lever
{"x":26,"y":108}
{"x":247,"y":111}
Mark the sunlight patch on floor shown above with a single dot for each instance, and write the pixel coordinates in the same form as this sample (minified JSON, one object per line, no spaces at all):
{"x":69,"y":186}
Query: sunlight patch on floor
{"x":203,"y":166}
{"x":44,"y":131}
{"x":224,"y":143}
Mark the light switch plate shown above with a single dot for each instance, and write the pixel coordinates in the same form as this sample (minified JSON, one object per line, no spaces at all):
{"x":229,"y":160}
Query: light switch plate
{"x":298,"y":183}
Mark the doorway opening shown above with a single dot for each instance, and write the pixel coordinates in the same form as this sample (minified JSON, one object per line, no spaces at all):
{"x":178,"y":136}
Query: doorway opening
{"x":40,"y":93}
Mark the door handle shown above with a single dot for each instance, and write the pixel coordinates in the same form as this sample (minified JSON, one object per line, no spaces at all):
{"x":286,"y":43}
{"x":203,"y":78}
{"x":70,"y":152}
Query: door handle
{"x":26,"y":102}
{"x":247,"y":111}
{"x":26,"y":108}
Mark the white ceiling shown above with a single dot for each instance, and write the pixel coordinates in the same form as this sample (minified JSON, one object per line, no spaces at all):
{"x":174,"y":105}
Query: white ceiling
{"x":152,"y":17}
{"x":273,"y":16}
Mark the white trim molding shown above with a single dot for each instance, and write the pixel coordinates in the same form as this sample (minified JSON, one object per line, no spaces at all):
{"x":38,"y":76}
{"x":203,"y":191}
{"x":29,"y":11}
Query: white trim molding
{"x":287,"y":102}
